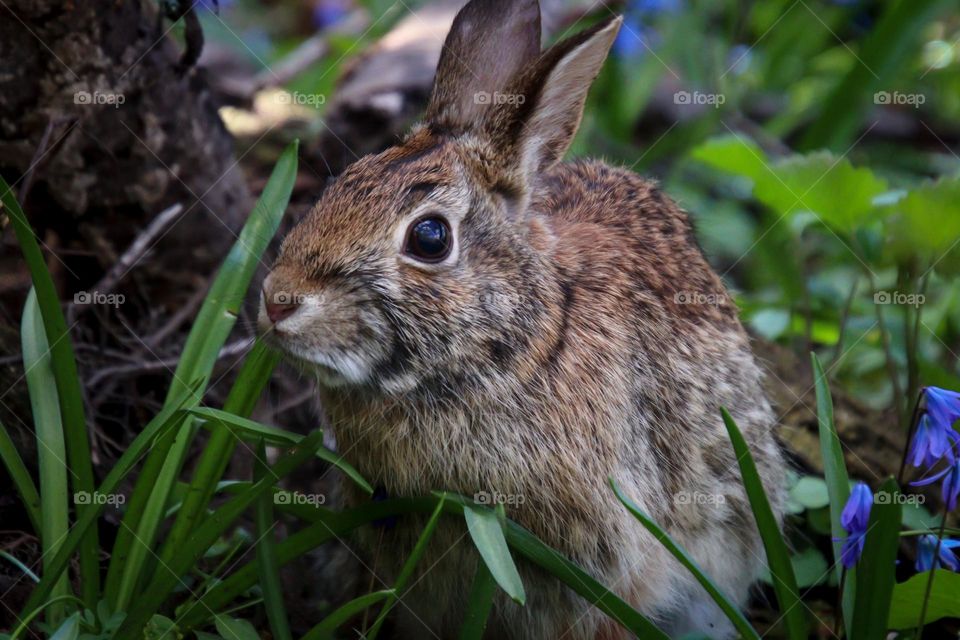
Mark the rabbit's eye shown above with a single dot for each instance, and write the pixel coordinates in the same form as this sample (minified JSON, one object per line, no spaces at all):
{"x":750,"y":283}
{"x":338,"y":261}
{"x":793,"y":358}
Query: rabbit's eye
{"x":429,"y":239}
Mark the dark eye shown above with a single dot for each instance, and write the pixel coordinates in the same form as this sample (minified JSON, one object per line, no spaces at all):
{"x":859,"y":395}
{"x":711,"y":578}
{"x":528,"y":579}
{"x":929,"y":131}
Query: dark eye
{"x":429,"y":239}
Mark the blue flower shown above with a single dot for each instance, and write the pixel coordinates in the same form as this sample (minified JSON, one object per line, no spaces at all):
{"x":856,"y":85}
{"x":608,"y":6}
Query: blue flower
{"x":855,"y":518}
{"x":935,"y":436}
{"x":927,"y":546}
{"x":951,"y":484}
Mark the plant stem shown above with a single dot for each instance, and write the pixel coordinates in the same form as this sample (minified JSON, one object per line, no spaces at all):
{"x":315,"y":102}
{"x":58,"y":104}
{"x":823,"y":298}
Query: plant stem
{"x":933,"y":571}
{"x":910,"y":430}
{"x":844,"y":318}
{"x":838,"y":608}
{"x":888,"y":352}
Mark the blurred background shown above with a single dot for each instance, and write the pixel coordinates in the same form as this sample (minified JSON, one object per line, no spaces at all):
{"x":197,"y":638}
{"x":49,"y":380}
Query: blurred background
{"x":813,"y":142}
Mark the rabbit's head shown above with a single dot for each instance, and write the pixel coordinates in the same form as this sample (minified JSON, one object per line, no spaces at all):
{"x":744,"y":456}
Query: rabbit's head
{"x":422,"y":264}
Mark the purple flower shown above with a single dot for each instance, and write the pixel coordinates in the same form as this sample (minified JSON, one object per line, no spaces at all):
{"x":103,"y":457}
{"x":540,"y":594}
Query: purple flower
{"x":927,"y":547}
{"x":935,"y":436}
{"x":951,"y":484}
{"x":855,"y":518}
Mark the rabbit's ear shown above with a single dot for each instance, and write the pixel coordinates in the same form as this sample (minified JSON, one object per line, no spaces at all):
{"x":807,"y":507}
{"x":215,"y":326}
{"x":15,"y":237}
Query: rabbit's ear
{"x":537,"y":130}
{"x":490,"y":42}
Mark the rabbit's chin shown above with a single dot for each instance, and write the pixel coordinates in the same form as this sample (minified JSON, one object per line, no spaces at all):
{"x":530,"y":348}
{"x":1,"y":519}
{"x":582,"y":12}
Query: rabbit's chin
{"x":330,"y":371}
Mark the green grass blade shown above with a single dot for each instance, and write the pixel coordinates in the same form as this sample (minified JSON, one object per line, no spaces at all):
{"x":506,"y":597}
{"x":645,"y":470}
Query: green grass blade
{"x":732,"y":612}
{"x":254,"y":431}
{"x":19,"y":565}
{"x":406,"y":572}
{"x":21,"y":478}
{"x":337,"y":524}
{"x":51,"y":449}
{"x":164,"y":581}
{"x":70,"y":396}
{"x":876,"y":571}
{"x":838,"y":483}
{"x":163,"y":421}
{"x":254,"y":375}
{"x":268,"y":568}
{"x":479,"y":604}
{"x":778,"y":555}
{"x":214,"y":322}
{"x":325,"y":630}
{"x":487,"y":534}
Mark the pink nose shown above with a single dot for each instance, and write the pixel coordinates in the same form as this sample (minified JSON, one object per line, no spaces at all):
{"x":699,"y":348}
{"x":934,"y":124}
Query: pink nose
{"x":279,"y":306}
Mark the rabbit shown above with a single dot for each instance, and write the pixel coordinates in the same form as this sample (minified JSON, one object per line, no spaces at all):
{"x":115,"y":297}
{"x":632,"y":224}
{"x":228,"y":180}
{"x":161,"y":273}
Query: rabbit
{"x":484,"y":318}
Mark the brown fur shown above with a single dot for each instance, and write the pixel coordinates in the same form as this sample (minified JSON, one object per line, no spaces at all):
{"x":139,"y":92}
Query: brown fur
{"x":564,"y":343}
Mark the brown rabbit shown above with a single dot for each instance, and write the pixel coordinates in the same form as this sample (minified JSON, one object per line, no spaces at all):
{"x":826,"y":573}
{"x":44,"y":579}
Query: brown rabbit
{"x":485,"y":319}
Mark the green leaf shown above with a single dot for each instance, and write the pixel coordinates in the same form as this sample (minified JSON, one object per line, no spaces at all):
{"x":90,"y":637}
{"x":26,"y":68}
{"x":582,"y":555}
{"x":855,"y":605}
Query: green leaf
{"x":255,"y":430}
{"x":487,"y":535}
{"x":134,"y":452}
{"x":838,"y":483}
{"x":333,"y":524}
{"x":926,"y":223}
{"x":734,"y":154}
{"x":21,"y":478}
{"x":163,"y":582}
{"x":69,"y":393}
{"x":830,"y":187}
{"x":235,"y":628}
{"x":839,"y":194}
{"x":69,"y":629}
{"x":406,"y":572}
{"x":254,"y":375}
{"x":210,"y":330}
{"x":811,"y":492}
{"x":51,"y":449}
{"x":908,"y":597}
{"x":876,"y":571}
{"x":778,"y":556}
{"x":324,"y":630}
{"x":479,"y":604}
{"x":161,"y":628}
{"x":732,"y":612}
{"x":267,"y":565}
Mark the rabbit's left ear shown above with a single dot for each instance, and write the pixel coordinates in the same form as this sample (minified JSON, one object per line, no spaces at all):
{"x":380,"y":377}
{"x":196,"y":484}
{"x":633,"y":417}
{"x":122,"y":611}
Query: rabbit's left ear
{"x":539,"y":115}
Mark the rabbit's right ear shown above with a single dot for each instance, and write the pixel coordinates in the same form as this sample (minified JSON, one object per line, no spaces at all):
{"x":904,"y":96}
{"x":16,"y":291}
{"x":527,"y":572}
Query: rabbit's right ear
{"x":490,"y":42}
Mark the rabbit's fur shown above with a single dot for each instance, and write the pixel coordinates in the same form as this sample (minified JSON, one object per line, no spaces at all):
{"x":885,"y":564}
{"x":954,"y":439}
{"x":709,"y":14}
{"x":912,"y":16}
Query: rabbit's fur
{"x":575,"y":333}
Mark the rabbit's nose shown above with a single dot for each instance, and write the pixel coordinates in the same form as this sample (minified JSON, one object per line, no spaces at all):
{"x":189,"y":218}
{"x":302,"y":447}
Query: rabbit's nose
{"x":277,"y":311}
{"x":277,"y":302}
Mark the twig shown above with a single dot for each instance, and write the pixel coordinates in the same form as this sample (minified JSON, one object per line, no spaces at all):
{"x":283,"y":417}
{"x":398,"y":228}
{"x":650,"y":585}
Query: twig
{"x":136,"y":250}
{"x":166,"y":364}
{"x":179,"y":317}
